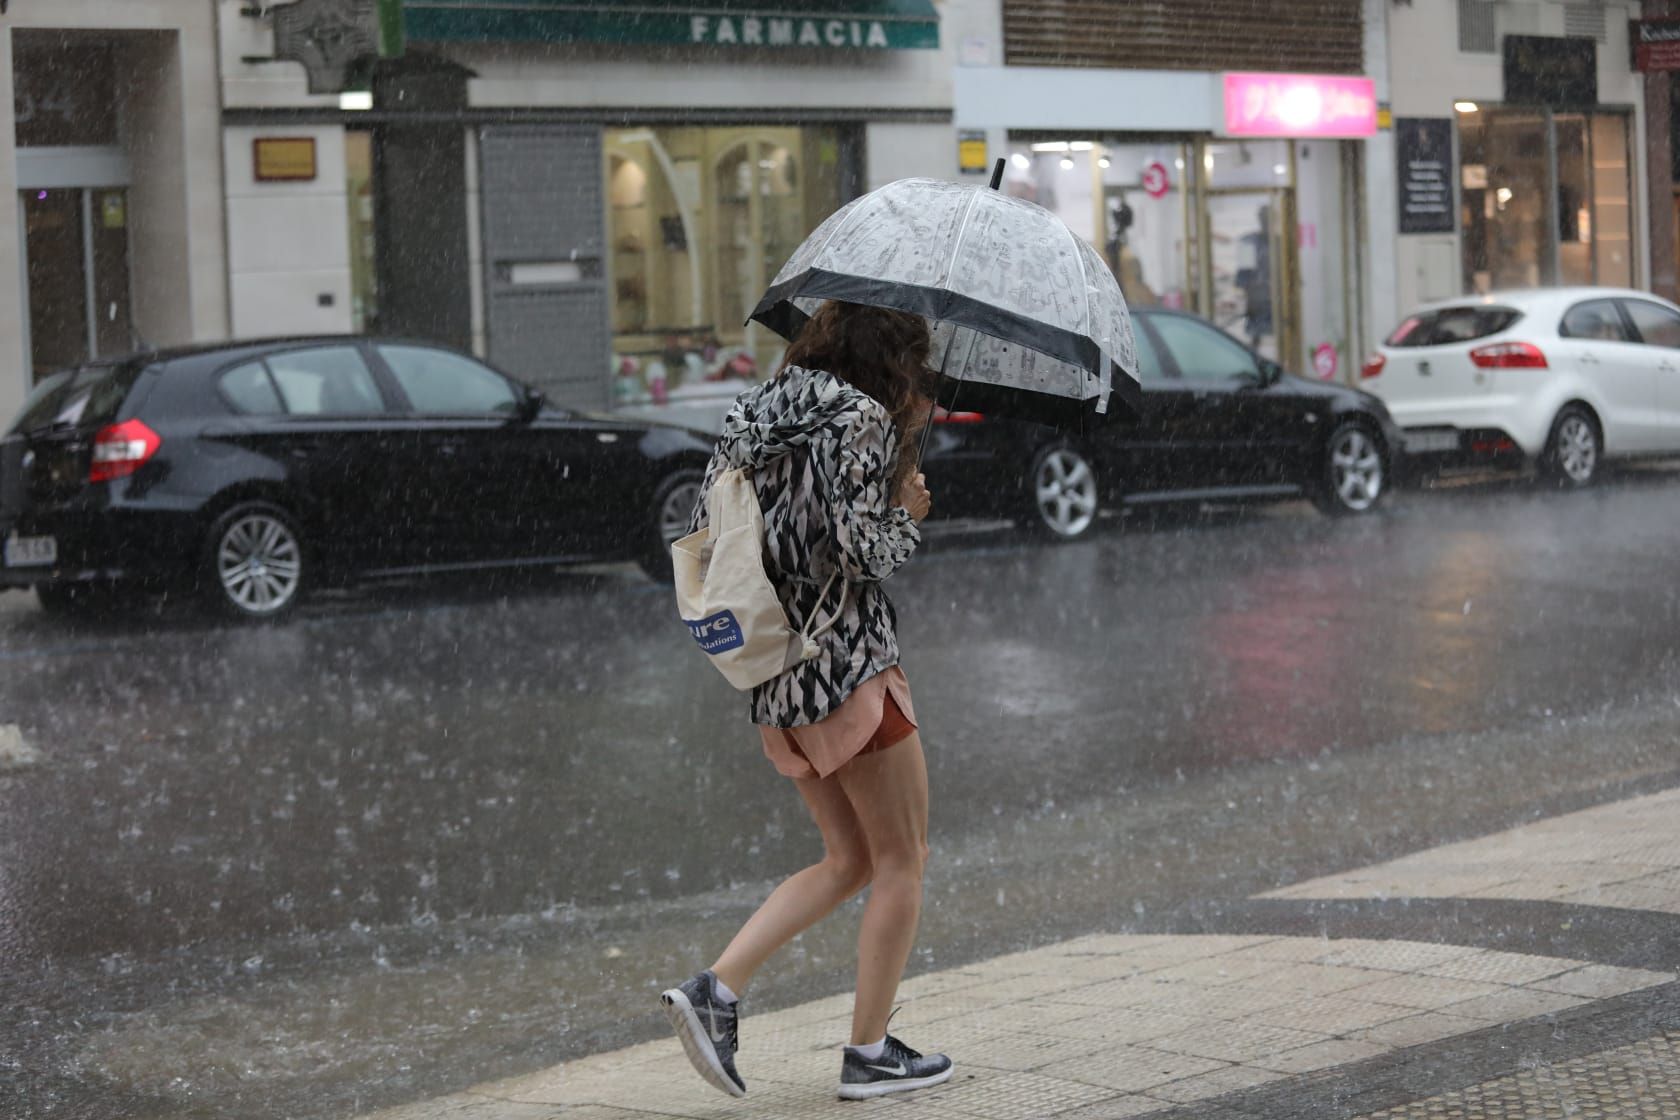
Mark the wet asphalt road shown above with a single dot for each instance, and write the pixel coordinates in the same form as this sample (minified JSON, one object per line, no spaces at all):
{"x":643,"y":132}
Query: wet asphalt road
{"x":420,"y":837}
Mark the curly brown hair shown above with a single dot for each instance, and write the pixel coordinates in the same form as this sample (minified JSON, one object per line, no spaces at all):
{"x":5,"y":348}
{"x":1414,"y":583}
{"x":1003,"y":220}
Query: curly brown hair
{"x":880,"y":351}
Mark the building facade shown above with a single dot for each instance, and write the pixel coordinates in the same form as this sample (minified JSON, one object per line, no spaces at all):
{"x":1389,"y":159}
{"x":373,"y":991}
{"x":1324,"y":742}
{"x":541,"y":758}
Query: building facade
{"x":110,"y":147}
{"x":1215,"y":155}
{"x":1532,"y":117}
{"x":592,"y":195}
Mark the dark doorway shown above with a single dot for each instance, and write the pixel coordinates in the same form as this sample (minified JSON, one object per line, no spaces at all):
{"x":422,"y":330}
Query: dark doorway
{"x":419,"y":193}
{"x":420,"y":203}
{"x":76,"y":253}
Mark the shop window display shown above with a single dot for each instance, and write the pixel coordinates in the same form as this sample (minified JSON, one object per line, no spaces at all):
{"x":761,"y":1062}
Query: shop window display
{"x":1273,"y":271}
{"x":364,"y":267}
{"x":1128,"y":200}
{"x":1547,"y":198}
{"x":699,"y":221}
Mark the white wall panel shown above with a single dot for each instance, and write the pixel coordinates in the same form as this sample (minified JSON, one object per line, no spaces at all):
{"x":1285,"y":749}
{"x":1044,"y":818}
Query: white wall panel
{"x":278,"y":303}
{"x":288,"y":242}
{"x":903,"y":151}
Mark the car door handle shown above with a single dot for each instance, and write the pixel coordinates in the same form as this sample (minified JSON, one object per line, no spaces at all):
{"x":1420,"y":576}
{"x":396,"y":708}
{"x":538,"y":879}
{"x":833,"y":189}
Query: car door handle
{"x":1589,"y":359}
{"x":449,"y":447}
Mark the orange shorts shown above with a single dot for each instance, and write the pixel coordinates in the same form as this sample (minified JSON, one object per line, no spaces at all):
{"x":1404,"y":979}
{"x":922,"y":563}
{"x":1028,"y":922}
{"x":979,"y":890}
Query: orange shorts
{"x":894,"y":728}
{"x":875,"y":716}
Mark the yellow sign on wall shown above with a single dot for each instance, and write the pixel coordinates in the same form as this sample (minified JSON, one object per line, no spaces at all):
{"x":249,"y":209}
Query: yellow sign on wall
{"x":971,"y":152}
{"x":284,"y":158}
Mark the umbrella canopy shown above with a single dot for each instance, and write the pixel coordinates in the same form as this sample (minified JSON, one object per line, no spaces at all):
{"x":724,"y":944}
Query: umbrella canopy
{"x":1027,"y":320}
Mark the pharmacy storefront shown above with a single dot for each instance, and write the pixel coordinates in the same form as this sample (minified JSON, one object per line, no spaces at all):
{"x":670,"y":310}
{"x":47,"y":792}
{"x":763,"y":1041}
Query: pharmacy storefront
{"x":593,"y":193}
{"x":1241,"y":207}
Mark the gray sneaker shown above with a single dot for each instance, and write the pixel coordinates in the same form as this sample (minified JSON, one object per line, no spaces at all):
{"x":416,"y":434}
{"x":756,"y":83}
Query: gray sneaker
{"x":897,"y":1070}
{"x":707,"y":1028}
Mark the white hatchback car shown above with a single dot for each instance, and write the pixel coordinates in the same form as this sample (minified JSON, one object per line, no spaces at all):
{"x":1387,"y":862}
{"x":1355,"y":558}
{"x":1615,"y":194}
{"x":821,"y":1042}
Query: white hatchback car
{"x":1559,"y":377}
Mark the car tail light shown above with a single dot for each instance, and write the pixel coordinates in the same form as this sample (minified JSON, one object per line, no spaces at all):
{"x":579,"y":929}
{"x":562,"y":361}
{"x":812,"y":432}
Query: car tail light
{"x":941,"y":416}
{"x":1509,"y":355}
{"x":1373,"y":366}
{"x":1497,"y":445}
{"x":120,"y":449}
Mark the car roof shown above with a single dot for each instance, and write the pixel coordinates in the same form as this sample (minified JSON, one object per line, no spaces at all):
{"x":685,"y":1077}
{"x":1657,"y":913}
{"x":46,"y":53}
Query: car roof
{"x":1532,"y":299}
{"x":233,"y":349}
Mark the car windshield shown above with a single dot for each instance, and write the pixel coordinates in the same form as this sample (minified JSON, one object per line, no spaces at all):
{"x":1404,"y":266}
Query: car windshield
{"x":74,"y":398}
{"x":1448,"y":325}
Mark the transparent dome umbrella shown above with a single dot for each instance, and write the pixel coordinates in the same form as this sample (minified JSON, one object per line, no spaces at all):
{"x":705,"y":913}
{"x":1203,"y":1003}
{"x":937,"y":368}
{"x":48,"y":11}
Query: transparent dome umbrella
{"x":1027,"y":320}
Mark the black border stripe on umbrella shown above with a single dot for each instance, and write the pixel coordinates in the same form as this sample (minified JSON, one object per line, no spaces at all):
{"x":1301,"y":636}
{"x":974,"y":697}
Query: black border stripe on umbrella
{"x":778,"y":311}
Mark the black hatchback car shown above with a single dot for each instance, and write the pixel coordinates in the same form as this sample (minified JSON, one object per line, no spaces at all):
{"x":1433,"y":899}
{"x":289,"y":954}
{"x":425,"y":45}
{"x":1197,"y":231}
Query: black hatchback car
{"x":253,"y":471}
{"x":1218,"y":423}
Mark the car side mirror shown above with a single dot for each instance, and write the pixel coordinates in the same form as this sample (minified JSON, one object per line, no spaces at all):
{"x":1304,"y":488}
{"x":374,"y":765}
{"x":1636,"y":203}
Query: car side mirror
{"x":530,"y":405}
{"x":1270,"y":372}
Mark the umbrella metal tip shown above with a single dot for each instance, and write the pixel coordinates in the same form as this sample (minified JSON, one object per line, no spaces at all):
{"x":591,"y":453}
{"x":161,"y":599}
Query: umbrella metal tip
{"x":997,"y":173}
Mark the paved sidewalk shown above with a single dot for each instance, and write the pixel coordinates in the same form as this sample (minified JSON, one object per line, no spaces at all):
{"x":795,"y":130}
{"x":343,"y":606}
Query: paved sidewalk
{"x":1625,"y":855}
{"x":1243,"y":1024}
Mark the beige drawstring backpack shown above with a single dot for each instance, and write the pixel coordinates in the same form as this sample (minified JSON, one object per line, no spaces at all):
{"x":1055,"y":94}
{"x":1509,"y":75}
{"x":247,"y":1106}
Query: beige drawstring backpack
{"x":727,"y":601}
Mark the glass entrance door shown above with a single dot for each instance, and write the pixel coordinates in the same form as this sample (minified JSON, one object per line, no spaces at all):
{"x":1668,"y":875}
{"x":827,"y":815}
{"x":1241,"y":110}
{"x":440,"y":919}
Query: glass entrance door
{"x":1252,"y":275}
{"x":76,"y":264}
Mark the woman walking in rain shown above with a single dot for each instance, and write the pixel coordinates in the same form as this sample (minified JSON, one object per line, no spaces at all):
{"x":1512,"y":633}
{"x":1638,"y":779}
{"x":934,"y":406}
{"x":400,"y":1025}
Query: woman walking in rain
{"x":829,"y":446}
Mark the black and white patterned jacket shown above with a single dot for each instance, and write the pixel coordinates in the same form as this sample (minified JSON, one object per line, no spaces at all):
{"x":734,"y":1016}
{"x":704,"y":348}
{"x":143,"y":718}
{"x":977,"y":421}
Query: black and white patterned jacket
{"x":821,"y":453}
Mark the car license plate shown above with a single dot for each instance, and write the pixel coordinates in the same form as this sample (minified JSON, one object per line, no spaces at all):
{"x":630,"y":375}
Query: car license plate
{"x":30,"y":552}
{"x":1417,"y":442}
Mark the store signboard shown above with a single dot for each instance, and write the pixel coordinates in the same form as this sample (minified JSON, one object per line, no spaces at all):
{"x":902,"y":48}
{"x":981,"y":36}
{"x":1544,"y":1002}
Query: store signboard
{"x":1299,"y":106}
{"x":1544,"y":70}
{"x":1655,"y":44}
{"x":729,"y":24}
{"x":1424,"y":153}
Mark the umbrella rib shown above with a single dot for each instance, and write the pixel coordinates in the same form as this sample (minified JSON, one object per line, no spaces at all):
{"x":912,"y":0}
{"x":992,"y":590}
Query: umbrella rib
{"x":1090,"y":324}
{"x":956,"y":245}
{"x":1084,"y":280}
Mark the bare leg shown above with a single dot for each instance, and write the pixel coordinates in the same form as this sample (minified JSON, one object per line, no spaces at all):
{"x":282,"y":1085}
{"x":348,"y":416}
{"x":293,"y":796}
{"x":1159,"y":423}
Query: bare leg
{"x":889,"y":793}
{"x":808,"y":896}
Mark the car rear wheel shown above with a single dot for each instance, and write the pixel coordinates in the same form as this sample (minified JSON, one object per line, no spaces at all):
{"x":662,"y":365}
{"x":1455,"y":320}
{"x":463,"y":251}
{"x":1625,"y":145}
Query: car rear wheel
{"x":1574,"y":451}
{"x":1354,"y":475}
{"x":1063,"y":498}
{"x":673,"y":506}
{"x":255,"y":565}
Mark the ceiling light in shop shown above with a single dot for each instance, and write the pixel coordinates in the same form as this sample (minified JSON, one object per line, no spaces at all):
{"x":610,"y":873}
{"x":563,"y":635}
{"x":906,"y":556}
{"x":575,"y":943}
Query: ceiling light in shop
{"x":1051,"y":146}
{"x":1279,"y":169}
{"x":355,"y":100}
{"x":1081,"y":146}
{"x":1067,"y":163}
{"x":1021,"y":162}
{"x":1465,"y":107}
{"x":1102,"y":161}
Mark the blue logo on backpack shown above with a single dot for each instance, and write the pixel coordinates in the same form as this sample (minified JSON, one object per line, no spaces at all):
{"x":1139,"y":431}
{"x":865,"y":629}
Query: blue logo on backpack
{"x":716,"y":633}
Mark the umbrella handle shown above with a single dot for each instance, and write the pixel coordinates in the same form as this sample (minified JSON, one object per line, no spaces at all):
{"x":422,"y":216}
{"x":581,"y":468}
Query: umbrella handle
{"x":927,"y":429}
{"x":997,"y":174}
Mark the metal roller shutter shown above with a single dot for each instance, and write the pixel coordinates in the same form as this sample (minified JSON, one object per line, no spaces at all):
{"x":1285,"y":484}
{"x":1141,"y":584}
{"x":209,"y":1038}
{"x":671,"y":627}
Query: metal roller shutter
{"x":544,"y":220}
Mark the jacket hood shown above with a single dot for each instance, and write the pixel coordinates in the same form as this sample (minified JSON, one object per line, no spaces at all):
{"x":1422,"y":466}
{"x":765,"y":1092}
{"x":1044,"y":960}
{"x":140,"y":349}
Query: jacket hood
{"x":781,"y":415}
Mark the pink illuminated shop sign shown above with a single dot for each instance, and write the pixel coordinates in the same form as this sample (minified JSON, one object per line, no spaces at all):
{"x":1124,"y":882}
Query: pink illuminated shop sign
{"x":1299,"y":106}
